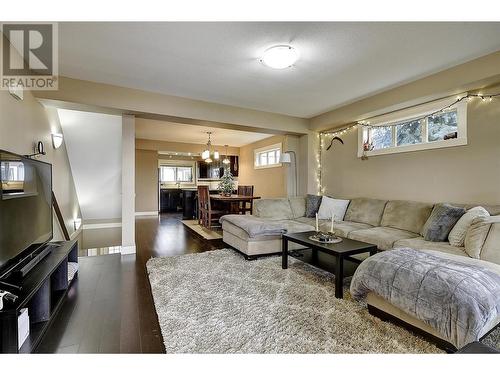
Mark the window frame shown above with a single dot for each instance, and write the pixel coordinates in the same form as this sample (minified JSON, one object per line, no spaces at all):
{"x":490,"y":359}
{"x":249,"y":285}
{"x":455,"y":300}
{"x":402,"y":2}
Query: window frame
{"x":409,"y":115}
{"x":177,"y":166}
{"x":267,"y":149}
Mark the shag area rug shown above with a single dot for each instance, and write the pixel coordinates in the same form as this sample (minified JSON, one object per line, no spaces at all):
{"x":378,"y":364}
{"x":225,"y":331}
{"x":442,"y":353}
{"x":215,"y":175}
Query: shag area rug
{"x":217,"y":302}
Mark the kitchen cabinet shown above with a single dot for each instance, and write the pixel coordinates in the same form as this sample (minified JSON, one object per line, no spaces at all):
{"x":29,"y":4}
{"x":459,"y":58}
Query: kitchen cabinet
{"x":170,"y":200}
{"x":215,"y":170}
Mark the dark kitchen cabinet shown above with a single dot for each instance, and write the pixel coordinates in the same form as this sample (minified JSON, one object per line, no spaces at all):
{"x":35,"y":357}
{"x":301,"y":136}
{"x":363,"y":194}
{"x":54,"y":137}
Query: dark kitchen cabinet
{"x":170,"y":200}
{"x":215,"y":169}
{"x":234,"y":165}
{"x":189,"y":199}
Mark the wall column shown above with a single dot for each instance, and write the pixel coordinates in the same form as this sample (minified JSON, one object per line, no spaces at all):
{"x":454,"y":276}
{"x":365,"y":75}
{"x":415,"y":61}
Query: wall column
{"x":128,"y":184}
{"x":308,"y":164}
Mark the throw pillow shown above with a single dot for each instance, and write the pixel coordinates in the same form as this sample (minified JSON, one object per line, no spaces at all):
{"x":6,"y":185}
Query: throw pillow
{"x":476,"y":235}
{"x":457,"y":234}
{"x":312,"y":205}
{"x":443,"y":218}
{"x":333,"y":207}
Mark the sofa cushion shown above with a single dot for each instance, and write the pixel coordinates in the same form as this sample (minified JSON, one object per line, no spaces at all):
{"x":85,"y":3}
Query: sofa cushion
{"x":383,"y":237}
{"x":457,"y":234}
{"x":443,"y":218}
{"x":419,"y":243}
{"x":343,"y":228}
{"x":365,"y":210}
{"x":406,"y":215}
{"x":476,"y":236}
{"x":291,"y":226}
{"x":298,"y":205}
{"x":494,"y":210}
{"x":277,"y":209}
{"x":332,"y":207}
{"x":491,"y":246}
{"x":312,"y":204}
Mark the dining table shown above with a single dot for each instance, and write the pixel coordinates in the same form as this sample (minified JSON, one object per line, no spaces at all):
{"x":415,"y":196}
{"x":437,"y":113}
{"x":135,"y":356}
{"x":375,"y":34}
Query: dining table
{"x":232,"y":201}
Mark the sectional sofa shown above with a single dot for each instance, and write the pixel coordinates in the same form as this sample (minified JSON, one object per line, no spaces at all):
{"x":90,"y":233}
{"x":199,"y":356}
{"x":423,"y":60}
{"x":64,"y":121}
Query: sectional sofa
{"x":386,"y":223}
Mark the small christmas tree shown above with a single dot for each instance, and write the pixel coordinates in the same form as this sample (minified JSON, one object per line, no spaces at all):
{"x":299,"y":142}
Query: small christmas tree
{"x":226,"y":184}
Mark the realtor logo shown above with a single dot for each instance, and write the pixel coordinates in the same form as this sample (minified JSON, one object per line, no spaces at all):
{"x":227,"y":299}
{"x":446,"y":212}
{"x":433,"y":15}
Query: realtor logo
{"x":29,"y":56}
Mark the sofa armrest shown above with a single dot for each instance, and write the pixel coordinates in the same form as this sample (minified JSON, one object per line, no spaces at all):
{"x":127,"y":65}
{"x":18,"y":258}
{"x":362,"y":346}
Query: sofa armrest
{"x":491,"y":246}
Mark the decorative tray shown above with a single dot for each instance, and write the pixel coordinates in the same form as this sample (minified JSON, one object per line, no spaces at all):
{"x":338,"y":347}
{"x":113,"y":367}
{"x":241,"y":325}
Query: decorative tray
{"x":325,"y":238}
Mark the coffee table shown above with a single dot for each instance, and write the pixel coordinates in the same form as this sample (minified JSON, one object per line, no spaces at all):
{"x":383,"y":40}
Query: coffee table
{"x":341,"y":251}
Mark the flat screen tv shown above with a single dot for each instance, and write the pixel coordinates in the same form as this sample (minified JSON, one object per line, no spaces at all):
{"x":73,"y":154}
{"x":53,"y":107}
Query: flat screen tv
{"x":25,"y":207}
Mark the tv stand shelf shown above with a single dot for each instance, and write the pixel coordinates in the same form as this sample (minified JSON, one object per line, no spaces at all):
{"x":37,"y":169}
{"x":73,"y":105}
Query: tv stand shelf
{"x":43,"y":291}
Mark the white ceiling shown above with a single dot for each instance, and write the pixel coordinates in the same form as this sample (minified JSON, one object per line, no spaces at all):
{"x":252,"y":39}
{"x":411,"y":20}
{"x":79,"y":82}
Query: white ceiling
{"x":94,"y":145}
{"x":173,"y":132}
{"x":219,"y":62}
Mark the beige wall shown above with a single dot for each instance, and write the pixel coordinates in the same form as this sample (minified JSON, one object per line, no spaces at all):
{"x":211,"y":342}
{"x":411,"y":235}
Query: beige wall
{"x":268,"y":182}
{"x":463,"y":174}
{"x":146,"y":181}
{"x":24,"y":122}
{"x":474,"y":74}
{"x":93,"y":96}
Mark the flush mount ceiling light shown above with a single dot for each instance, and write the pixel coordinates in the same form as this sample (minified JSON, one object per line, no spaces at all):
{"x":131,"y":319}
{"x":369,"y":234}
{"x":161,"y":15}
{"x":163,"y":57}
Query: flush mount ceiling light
{"x":280,"y":57}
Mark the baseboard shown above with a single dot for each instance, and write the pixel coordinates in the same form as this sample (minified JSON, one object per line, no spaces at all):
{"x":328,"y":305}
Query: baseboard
{"x":147,"y":213}
{"x":128,"y":250}
{"x":101,"y":225}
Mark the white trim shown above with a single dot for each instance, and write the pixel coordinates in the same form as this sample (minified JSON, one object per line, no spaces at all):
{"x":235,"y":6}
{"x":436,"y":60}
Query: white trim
{"x":147,"y":213}
{"x":128,"y":250}
{"x":101,"y":225}
{"x":75,"y":234}
{"x":461,"y":139}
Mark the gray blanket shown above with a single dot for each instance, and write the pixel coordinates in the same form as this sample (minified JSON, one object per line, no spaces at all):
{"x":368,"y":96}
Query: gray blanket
{"x":457,"y":298}
{"x":255,"y":226}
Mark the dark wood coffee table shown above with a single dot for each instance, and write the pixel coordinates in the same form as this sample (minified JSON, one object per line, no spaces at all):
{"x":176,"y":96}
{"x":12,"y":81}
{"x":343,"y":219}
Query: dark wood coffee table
{"x":341,"y":251}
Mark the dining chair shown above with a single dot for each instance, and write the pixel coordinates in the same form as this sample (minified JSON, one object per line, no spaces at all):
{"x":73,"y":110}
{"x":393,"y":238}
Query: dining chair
{"x":244,"y":207}
{"x":205,"y":213}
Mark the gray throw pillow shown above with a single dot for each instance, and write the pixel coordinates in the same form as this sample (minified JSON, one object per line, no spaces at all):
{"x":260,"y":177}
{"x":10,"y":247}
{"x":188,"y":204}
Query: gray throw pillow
{"x":442,"y":220}
{"x":312,"y":204}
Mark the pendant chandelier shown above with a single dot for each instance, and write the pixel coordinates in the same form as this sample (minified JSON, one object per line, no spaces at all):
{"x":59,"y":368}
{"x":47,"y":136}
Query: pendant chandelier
{"x":226,"y":158}
{"x":207,"y":153}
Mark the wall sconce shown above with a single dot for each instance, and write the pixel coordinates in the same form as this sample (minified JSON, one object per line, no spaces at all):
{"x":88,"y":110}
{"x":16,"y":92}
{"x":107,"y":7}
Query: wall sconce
{"x":77,"y":223}
{"x":57,"y":140}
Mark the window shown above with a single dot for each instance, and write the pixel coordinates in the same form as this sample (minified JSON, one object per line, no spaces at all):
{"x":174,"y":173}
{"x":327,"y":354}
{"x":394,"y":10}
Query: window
{"x":12,"y":171}
{"x":442,"y":125}
{"x":407,"y":131}
{"x":176,"y":173}
{"x":268,"y":157}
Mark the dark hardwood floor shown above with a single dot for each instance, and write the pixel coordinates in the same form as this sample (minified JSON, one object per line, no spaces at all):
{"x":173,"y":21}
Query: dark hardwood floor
{"x":110,"y":308}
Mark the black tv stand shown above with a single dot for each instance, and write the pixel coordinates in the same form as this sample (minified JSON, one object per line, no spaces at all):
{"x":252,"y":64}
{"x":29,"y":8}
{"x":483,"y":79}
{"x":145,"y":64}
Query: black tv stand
{"x":42,"y":292}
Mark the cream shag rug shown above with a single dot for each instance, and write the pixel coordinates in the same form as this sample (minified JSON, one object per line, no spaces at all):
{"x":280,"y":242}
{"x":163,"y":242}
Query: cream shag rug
{"x":217,"y":302}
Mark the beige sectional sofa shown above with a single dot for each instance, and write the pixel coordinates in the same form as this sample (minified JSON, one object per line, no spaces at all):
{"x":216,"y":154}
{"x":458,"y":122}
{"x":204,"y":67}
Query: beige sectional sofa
{"x":387,"y":224}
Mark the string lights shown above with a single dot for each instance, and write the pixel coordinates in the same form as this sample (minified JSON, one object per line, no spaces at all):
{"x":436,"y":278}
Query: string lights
{"x":365,"y":123}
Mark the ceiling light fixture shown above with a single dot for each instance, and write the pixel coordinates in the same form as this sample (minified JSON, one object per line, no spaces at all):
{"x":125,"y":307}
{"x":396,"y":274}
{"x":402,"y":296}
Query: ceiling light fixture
{"x":280,"y":57}
{"x":206,"y":154}
{"x":226,"y":159}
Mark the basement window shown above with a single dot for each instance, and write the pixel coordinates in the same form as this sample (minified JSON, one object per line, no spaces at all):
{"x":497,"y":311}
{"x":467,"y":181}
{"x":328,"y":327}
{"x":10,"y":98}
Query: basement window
{"x":267,"y":157}
{"x":409,"y":130}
